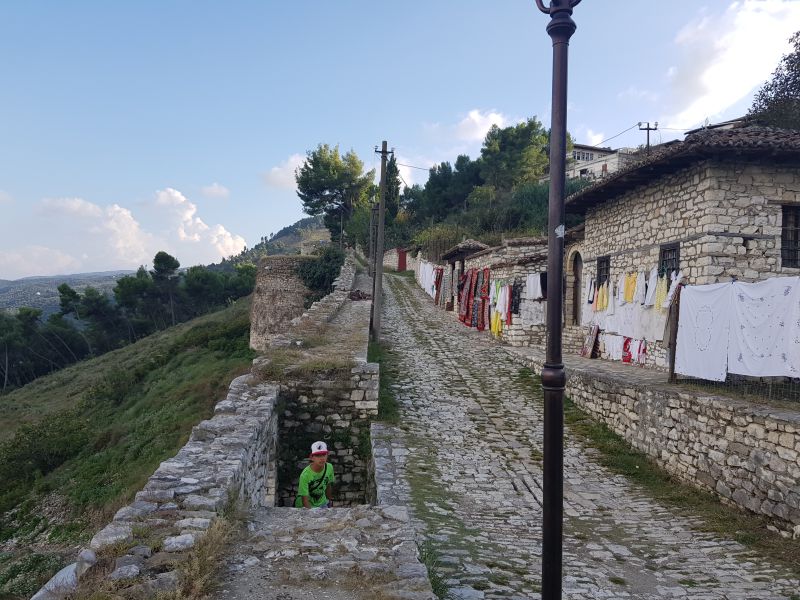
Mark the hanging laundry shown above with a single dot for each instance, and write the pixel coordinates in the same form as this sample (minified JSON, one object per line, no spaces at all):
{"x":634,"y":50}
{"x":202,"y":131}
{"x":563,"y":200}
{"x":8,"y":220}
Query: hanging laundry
{"x":533,"y":286}
{"x":590,"y":291}
{"x":516,"y":296}
{"x":621,"y":290}
{"x":640,"y":289}
{"x":630,"y":286}
{"x":765,"y":333}
{"x":662,"y":287}
{"x":652,"y":283}
{"x":676,"y":280}
{"x":703,"y":331}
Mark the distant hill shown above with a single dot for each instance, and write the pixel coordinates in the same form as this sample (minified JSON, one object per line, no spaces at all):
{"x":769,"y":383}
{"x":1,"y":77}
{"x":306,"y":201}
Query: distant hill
{"x":42,"y":292}
{"x":288,"y":240}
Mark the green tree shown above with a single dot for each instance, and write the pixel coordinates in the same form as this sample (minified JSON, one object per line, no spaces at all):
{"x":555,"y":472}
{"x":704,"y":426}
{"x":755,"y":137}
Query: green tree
{"x":331,"y":185}
{"x":392,"y":189}
{"x":777,"y":103}
{"x":165,"y":277}
{"x":514,"y":155}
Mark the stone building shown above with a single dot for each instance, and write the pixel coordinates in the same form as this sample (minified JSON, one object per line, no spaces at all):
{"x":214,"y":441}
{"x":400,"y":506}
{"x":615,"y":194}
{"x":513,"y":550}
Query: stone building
{"x":592,"y":162}
{"x":722,"y":204}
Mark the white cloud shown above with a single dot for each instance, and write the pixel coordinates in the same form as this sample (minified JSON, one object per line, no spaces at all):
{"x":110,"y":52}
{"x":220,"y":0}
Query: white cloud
{"x":476,"y":124}
{"x":71,"y":206}
{"x":36,"y":260}
{"x":727,"y":56}
{"x":132,"y":245}
{"x":282,"y":176}
{"x":593,"y":139}
{"x":5,"y":198}
{"x":191,"y":228}
{"x":215,"y":190}
{"x":225,"y":242}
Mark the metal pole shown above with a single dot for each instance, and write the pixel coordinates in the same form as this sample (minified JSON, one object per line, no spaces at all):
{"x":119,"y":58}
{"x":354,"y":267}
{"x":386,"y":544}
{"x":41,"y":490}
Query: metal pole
{"x":377,"y":298}
{"x":560,"y":29}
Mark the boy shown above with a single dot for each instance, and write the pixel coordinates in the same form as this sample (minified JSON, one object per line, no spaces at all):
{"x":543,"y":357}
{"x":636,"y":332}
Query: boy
{"x":314,"y":490}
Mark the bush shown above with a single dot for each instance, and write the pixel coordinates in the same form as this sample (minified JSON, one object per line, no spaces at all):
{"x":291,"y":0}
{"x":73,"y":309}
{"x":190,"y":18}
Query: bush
{"x":319,"y":274}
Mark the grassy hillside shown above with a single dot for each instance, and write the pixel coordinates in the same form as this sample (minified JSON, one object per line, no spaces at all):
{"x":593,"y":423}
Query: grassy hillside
{"x":78,"y":444}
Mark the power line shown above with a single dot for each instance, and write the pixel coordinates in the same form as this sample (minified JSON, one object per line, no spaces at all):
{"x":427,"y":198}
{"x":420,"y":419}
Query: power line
{"x":413,"y":167}
{"x":619,"y":134}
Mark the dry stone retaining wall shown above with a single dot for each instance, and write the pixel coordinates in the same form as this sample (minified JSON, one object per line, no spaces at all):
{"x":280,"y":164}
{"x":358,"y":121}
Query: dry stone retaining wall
{"x":748,"y":455}
{"x":339,"y":411}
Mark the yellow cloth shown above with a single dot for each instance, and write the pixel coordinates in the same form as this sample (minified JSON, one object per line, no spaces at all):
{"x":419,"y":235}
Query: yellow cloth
{"x":630,"y":286}
{"x":496,"y":326}
{"x":662,"y":287}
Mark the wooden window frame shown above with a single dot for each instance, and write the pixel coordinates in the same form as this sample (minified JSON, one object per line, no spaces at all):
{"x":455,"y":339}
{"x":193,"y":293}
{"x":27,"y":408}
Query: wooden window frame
{"x":669,"y":258}
{"x":790,"y":236}
{"x":603,"y":269}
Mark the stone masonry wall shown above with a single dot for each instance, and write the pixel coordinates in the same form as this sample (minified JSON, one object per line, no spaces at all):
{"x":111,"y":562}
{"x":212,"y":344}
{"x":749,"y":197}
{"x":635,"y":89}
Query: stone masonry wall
{"x":743,"y":219}
{"x":726,"y":216}
{"x":278,"y":302}
{"x":748,"y":455}
{"x":516,"y":259}
{"x":338,"y":411}
{"x":278,"y":298}
{"x":230,"y":456}
{"x":391,"y":259}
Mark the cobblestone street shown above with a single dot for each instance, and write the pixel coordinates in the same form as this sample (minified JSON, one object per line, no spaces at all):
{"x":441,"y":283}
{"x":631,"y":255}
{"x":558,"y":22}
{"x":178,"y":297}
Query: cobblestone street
{"x":472,"y":427}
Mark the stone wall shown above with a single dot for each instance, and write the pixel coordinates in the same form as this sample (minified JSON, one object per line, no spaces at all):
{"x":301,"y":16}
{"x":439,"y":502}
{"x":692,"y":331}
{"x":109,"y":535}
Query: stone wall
{"x":228,"y":457}
{"x":337,"y":409}
{"x":515,"y":260}
{"x":279,"y":297}
{"x":747,"y":454}
{"x":391,"y":259}
{"x":726,"y":215}
{"x":279,"y":300}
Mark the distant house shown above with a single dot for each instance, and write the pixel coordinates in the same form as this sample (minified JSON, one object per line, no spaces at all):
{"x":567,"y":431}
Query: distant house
{"x":724,"y":203}
{"x":592,"y":162}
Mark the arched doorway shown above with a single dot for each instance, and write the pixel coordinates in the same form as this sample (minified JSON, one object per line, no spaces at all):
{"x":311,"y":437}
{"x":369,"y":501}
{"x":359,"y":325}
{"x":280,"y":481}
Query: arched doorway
{"x":577,"y":276}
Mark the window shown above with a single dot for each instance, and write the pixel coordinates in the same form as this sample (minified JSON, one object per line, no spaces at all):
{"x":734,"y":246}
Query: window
{"x":603,"y":269}
{"x":790,"y":237}
{"x":669,"y":258}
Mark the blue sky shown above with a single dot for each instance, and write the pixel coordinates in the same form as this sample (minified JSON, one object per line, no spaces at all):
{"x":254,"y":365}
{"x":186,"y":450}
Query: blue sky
{"x":132,"y":127}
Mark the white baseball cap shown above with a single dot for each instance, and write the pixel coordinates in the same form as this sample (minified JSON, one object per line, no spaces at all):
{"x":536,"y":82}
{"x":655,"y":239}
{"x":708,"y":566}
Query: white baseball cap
{"x":319,"y":448}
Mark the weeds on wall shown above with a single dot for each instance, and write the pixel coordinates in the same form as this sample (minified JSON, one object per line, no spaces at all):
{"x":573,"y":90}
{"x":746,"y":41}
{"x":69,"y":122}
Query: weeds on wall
{"x":319,"y":273}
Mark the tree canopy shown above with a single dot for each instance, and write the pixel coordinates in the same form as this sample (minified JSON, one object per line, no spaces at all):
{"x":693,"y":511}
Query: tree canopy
{"x":331,"y":184}
{"x":777,"y":103}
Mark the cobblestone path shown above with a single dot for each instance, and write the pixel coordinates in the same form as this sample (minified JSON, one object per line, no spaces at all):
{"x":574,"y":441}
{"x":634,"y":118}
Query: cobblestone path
{"x":472,"y":425}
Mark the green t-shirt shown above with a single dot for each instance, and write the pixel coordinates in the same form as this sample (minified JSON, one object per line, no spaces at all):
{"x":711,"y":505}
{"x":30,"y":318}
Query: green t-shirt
{"x":313,"y":485}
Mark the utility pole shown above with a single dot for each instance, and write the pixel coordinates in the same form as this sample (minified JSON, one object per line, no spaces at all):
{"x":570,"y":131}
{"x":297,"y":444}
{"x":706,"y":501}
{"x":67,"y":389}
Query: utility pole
{"x":373,"y":221}
{"x":377,"y":283}
{"x":648,"y":129}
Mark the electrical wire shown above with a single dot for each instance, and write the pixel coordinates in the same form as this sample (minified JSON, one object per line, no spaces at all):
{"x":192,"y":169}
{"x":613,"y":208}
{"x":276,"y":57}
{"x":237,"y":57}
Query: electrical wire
{"x":413,"y":167}
{"x":619,"y":134}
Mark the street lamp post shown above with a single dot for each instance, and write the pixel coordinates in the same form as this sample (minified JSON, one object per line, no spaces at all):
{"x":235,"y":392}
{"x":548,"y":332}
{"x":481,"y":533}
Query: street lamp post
{"x":560,"y":29}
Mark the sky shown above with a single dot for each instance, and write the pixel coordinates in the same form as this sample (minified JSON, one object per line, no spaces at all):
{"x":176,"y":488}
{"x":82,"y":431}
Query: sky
{"x":132,"y":127}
